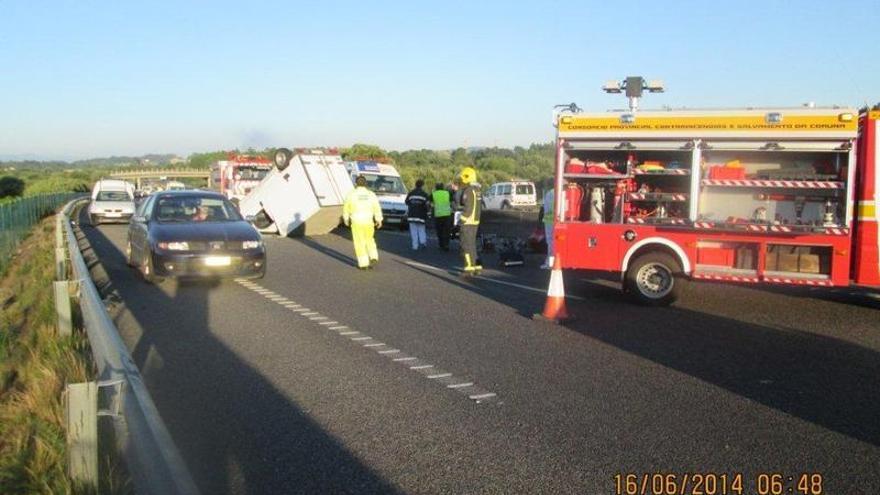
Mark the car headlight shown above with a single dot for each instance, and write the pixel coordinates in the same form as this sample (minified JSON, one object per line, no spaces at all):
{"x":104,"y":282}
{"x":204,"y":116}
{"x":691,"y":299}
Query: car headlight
{"x":251,"y":244}
{"x":174,"y":246}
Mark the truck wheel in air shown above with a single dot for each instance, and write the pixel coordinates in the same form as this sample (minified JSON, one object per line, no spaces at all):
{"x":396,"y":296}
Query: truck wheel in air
{"x":654,"y":279}
{"x":282,"y":158}
{"x":262,"y":220}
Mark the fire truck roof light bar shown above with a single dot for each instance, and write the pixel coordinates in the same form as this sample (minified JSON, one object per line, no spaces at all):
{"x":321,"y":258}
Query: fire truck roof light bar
{"x":634,"y":86}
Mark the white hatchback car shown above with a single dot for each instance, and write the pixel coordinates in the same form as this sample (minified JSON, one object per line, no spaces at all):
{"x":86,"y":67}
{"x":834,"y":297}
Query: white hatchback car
{"x":506,"y":195}
{"x":112,"y":201}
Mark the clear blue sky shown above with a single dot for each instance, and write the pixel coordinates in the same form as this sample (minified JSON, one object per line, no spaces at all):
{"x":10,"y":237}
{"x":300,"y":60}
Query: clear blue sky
{"x":88,"y":78}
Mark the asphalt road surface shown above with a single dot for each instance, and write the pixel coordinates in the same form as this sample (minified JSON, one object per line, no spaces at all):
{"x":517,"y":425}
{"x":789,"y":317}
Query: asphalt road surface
{"x":324,"y":379}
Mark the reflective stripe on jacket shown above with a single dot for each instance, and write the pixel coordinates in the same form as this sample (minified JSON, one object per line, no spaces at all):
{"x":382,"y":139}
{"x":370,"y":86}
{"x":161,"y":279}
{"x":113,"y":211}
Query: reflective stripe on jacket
{"x":361,"y":207}
{"x":470,"y":205}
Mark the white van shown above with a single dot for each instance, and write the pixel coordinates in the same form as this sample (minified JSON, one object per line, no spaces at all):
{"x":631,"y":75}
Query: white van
{"x":112,"y":201}
{"x":384,"y":180}
{"x":506,"y":195}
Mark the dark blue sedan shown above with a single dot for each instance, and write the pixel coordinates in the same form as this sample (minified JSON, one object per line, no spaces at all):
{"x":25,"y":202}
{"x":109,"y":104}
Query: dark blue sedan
{"x":193,"y":233}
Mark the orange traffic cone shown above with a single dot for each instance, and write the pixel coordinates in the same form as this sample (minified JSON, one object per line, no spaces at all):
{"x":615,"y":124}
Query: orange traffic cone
{"x":554,"y":308}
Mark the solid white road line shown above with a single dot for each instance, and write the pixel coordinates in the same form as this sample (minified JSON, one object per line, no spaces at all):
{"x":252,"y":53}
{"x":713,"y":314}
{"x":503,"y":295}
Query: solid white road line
{"x":301,"y":310}
{"x":340,"y":327}
{"x":328,"y":322}
{"x":390,"y":351}
{"x":349,"y":333}
{"x":460,"y":385}
{"x":373,"y":345}
{"x":441,"y":375}
{"x":311,"y":313}
{"x":421,"y":367}
{"x":317,"y":318}
{"x":487,"y":279}
{"x":405,"y":359}
{"x":356,"y":339}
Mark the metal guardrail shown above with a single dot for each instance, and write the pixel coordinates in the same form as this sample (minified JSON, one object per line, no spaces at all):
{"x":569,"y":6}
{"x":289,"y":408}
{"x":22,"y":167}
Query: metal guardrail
{"x":142,"y":440}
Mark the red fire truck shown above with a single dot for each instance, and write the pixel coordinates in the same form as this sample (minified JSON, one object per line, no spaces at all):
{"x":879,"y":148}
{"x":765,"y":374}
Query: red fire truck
{"x":771,"y":195}
{"x":238,"y":174}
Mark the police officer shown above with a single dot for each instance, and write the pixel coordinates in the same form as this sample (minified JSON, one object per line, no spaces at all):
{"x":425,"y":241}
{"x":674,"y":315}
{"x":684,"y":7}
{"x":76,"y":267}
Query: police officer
{"x":362,"y":212}
{"x":417,"y":215}
{"x":470,"y":202}
{"x":442,"y":214}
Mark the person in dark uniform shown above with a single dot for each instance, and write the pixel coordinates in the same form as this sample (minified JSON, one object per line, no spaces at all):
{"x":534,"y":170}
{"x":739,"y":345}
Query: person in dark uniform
{"x":470,"y":201}
{"x":417,"y":203}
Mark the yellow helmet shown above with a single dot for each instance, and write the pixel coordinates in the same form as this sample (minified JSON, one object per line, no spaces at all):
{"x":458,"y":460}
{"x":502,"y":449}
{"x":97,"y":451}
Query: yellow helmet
{"x":468,"y":175}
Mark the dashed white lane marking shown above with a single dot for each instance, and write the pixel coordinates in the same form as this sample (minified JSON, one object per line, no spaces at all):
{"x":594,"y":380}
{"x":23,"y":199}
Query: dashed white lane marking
{"x":494,"y":281}
{"x":481,"y":396}
{"x":460,"y":385}
{"x":447,"y":379}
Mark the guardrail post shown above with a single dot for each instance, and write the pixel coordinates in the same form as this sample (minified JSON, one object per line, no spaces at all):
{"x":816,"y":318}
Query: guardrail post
{"x":62,"y":307}
{"x":81,"y":418}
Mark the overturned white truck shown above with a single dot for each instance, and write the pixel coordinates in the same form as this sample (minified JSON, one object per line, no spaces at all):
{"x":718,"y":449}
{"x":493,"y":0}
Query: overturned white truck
{"x":301,"y":195}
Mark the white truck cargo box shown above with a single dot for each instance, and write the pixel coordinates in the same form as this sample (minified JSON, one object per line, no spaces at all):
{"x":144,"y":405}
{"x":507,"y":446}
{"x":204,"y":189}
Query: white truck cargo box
{"x":301,"y":195}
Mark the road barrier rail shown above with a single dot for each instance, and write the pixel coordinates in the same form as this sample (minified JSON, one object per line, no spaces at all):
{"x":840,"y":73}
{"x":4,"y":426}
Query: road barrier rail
{"x":142,"y":441}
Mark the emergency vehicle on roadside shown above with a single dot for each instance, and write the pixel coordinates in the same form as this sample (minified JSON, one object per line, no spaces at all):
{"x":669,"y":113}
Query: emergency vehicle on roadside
{"x":238,"y":174}
{"x":756,"y":195}
{"x":384,"y":180}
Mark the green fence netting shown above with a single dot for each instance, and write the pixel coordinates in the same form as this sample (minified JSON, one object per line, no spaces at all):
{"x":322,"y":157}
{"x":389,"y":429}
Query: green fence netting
{"x":19,"y":216}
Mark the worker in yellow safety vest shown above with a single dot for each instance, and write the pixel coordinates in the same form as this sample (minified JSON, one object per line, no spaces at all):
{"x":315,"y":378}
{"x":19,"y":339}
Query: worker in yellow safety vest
{"x":441,"y":200}
{"x":362,"y":212}
{"x":470,"y":203}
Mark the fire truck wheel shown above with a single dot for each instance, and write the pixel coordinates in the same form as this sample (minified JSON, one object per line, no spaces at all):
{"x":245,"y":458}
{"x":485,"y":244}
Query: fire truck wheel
{"x":654,"y":279}
{"x":282,"y":158}
{"x":262,"y":220}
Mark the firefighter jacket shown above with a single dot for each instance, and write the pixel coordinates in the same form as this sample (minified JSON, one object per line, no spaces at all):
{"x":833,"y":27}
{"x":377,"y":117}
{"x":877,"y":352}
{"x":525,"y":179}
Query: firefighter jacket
{"x":470,"y":202}
{"x":361,"y":207}
{"x":417,"y":206}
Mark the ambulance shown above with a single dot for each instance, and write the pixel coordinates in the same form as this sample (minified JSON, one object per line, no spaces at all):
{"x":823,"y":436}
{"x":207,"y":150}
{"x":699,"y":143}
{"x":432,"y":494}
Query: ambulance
{"x":384,"y":180}
{"x":657,"y":198}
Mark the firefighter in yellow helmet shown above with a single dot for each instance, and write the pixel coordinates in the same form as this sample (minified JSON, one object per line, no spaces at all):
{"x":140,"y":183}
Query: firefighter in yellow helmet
{"x":469,"y":202}
{"x":362,"y":212}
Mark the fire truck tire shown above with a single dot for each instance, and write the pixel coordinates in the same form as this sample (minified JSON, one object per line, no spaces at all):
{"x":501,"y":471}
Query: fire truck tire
{"x":282,"y":158}
{"x":262,"y":220}
{"x":654,"y":279}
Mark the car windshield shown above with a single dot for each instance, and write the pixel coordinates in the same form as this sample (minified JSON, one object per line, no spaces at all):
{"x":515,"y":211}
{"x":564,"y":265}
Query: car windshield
{"x":195,"y":209}
{"x":112,"y":196}
{"x":385,"y":184}
{"x":524,"y":189}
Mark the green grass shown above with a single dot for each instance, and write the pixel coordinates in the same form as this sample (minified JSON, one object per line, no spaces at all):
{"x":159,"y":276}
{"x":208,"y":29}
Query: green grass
{"x":35,"y":365}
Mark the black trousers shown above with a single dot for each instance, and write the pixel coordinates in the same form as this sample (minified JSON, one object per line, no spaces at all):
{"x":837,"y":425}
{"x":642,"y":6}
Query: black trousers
{"x":468,"y":239}
{"x":443,"y":225}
